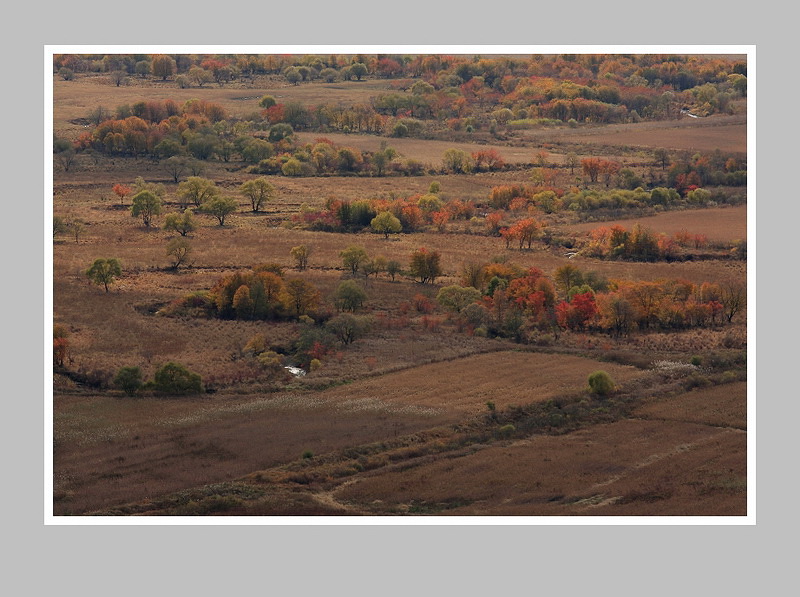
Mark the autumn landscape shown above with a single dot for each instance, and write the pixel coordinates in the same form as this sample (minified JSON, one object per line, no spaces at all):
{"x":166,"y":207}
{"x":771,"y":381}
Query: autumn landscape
{"x":378,"y":285}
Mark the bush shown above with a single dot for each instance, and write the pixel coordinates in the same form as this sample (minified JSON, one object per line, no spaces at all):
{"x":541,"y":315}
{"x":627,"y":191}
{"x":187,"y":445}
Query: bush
{"x":173,"y":378}
{"x":601,"y":383}
{"x":129,"y":380}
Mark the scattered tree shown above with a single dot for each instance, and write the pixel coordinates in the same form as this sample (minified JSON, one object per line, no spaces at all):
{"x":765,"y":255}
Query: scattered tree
{"x":146,"y":205}
{"x":121,"y":191}
{"x":59,"y":226}
{"x":259,"y":191}
{"x":104,"y":271}
{"x":220,"y":207}
{"x":197,"y":190}
{"x":182,"y":223}
{"x":176,"y":165}
{"x":300,"y":253}
{"x":349,"y":296}
{"x":353,"y":258}
{"x":179,"y":249}
{"x":425,"y":265}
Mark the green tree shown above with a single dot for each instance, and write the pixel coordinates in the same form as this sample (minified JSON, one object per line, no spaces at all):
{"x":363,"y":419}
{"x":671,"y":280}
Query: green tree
{"x":182,"y":223}
{"x":353,"y":257}
{"x":456,"y":161}
{"x":349,"y":296}
{"x":179,"y":249}
{"x":300,"y":253}
{"x":359,"y":70}
{"x":129,"y":380}
{"x":292,"y":75}
{"x":259,"y":191}
{"x":173,"y":378}
{"x":200,"y":76}
{"x":393,"y":268}
{"x":455,"y":298}
{"x":386,"y":223}
{"x":145,"y":205}
{"x":220,"y":207}
{"x":104,"y":271}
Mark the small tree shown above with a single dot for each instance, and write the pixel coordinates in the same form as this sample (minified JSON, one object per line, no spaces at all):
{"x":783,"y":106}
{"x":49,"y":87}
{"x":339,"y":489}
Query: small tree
{"x":300,"y":296}
{"x":386,"y":223}
{"x":393,"y":268}
{"x":118,"y":77}
{"x":104,"y":271}
{"x":353,"y":257}
{"x":179,"y":249}
{"x":259,"y":191}
{"x":121,"y":191}
{"x":457,"y":161}
{"x":129,"y":380}
{"x":601,"y":383}
{"x":59,"y":226}
{"x":348,"y":328}
{"x":163,"y":66}
{"x":455,"y":298}
{"x":349,"y":296}
{"x":76,"y":229}
{"x":220,"y":207}
{"x":175,"y":165}
{"x":146,"y":205}
{"x":183,"y":223}
{"x":197,"y":190}
{"x":60,"y":345}
{"x":301,"y":254}
{"x":425,"y":265}
{"x":174,"y":378}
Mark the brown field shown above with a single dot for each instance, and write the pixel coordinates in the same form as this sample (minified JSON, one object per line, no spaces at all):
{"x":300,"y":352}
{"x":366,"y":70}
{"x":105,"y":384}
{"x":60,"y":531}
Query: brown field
{"x":398,"y":422}
{"x":724,"y":224}
{"x":726,"y":133}
{"x":629,"y":468}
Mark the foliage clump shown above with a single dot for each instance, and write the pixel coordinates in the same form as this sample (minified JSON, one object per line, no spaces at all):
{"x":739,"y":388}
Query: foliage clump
{"x":600,"y":383}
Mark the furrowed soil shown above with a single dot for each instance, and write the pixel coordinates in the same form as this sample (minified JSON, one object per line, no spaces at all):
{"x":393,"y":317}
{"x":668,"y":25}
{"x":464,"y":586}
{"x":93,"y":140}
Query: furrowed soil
{"x":420,"y":417}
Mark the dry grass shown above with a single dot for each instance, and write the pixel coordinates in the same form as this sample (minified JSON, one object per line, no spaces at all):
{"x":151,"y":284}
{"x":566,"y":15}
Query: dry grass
{"x":466,"y":385}
{"x":403,"y":380}
{"x":722,"y":224}
{"x":622,"y":469}
{"x":723,"y":406}
{"x":726,"y":133}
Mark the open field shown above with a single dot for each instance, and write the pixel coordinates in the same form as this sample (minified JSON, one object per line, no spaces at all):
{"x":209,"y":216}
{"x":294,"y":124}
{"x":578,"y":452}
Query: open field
{"x":426,"y":412}
{"x":725,"y":224}
{"x":727,"y":133}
